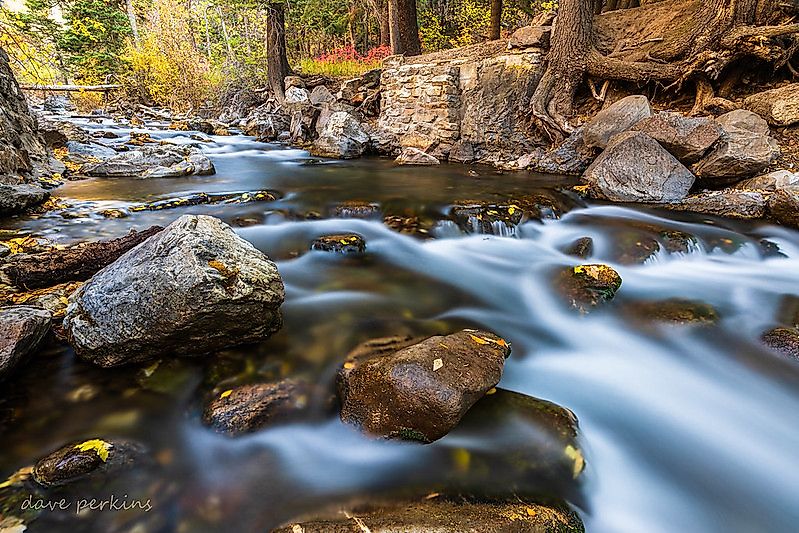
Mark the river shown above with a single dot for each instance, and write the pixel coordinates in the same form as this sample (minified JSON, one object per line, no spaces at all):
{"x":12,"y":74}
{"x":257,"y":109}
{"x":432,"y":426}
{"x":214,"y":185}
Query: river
{"x":684,"y":427}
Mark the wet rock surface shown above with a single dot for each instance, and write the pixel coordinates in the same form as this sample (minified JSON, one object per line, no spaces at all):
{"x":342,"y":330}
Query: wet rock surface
{"x":22,"y":329}
{"x":672,"y":311}
{"x":582,"y":248}
{"x":614,"y":119}
{"x":731,"y":203}
{"x":163,"y":161}
{"x":587,"y":286}
{"x":196,"y":287}
{"x":635,"y":168}
{"x":252,"y":407}
{"x":346,"y":244}
{"x":17,"y":198}
{"x":489,"y":219}
{"x":442,"y":516}
{"x":784,"y":341}
{"x":421,"y":391}
{"x":83,"y":458}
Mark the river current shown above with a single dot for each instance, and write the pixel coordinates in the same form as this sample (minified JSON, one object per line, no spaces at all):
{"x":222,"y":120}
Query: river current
{"x":684,"y":427}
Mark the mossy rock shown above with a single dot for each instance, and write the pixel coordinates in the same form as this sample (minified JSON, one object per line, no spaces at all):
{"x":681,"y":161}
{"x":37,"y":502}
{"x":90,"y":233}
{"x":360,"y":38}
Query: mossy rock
{"x":345,"y":243}
{"x":584,"y":287}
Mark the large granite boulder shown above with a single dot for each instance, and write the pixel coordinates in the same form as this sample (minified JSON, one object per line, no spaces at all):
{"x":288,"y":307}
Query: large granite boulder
{"x":744,"y":149}
{"x":17,"y":198}
{"x":193,"y":288}
{"x":342,"y":137}
{"x":686,"y":138}
{"x":616,"y":118}
{"x":635,"y":168}
{"x":779,"y":107}
{"x":22,"y":329}
{"x":164,"y":161}
{"x":399,"y":388}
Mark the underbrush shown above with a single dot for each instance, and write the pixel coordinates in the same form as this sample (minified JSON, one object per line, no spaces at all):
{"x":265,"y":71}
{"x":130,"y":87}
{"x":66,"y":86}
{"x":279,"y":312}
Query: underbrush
{"x":344,"y":62}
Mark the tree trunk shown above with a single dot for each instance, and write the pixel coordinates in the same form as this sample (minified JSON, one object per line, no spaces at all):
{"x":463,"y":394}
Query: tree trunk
{"x":380,"y":10}
{"x":403,"y":27}
{"x":77,"y":263}
{"x":496,"y":20}
{"x":277,"y":64}
{"x":134,"y":26}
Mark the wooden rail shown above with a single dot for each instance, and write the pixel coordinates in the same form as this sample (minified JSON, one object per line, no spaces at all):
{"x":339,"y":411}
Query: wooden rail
{"x":70,"y":88}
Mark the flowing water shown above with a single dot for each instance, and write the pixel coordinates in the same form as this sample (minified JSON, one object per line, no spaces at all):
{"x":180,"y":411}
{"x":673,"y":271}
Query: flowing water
{"x":684,"y":428}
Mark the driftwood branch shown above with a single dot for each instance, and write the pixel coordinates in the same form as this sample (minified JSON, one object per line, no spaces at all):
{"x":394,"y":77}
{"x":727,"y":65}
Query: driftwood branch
{"x":76,"y":263}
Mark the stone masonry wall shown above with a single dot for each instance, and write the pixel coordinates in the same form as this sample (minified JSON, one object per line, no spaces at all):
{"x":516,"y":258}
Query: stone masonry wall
{"x":462,"y":109}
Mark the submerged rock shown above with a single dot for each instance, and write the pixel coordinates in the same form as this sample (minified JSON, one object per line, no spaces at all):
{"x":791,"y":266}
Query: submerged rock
{"x":79,"y":459}
{"x":635,"y":168}
{"x":195,"y":287}
{"x":347,"y":244}
{"x":779,"y":107}
{"x":745,"y":149}
{"x":164,"y":161}
{"x":421,"y":391}
{"x":686,"y":138}
{"x":783,"y":340}
{"x":342,"y":137}
{"x":415,"y":156}
{"x":673,"y":311}
{"x":616,"y":118}
{"x":251,"y":407}
{"x":729,"y":203}
{"x":356,"y":210}
{"x":442,"y":516}
{"x":201,"y":198}
{"x":17,"y":198}
{"x":587,"y":286}
{"x":22,"y":330}
{"x":582,"y":248}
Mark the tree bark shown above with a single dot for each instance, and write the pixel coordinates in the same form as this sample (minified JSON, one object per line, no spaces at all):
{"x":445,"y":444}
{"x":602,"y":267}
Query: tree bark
{"x":496,"y":20}
{"x":77,"y":263}
{"x":403,"y":27}
{"x":277,"y":63}
{"x":380,"y":10}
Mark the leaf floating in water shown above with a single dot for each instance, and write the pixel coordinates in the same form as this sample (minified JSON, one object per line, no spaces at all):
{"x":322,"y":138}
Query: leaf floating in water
{"x":100,"y":447}
{"x":492,"y":390}
{"x":226,"y":393}
{"x":437,"y":363}
{"x":575,"y":455}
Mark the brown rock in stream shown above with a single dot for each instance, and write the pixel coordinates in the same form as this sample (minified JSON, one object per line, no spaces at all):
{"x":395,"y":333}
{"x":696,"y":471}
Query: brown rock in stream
{"x":78,"y":459}
{"x":783,"y":205}
{"x":783,"y":340}
{"x":22,"y":329}
{"x":420,"y":391}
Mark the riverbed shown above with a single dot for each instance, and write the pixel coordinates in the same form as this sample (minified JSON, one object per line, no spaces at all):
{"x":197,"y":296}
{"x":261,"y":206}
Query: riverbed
{"x":684,"y":427}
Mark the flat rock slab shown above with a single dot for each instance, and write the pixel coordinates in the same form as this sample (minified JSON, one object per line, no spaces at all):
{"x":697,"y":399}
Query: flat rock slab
{"x":421,"y":391}
{"x":163,"y":161}
{"x":636,"y":168}
{"x":441,"y":516}
{"x":616,"y":118}
{"x":195,"y":287}
{"x":22,"y":330}
{"x":730,"y":203}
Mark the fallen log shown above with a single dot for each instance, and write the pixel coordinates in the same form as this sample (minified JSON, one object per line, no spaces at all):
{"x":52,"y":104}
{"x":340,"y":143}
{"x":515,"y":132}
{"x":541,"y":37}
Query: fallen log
{"x":76,"y":263}
{"x":70,"y":88}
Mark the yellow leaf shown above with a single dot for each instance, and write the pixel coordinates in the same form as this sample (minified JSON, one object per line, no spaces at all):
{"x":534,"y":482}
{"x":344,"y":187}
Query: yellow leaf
{"x":575,"y":455}
{"x":100,"y":447}
{"x":437,"y":363}
{"x":492,"y":390}
{"x":349,"y":365}
{"x":226,"y":393}
{"x":478,"y":340}
{"x":531,"y":511}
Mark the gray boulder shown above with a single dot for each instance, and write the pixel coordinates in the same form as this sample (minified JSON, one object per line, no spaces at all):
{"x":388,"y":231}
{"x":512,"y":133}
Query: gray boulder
{"x":163,"y":161}
{"x":779,"y":107}
{"x":616,"y":118}
{"x":17,"y":198}
{"x":687,"y":139}
{"x":321,"y":95}
{"x":22,"y":329}
{"x":342,"y":137}
{"x":635,"y":168}
{"x":195,"y":287}
{"x":266,"y":122}
{"x":399,"y":388}
{"x":297,"y":95}
{"x":744,"y":149}
{"x":414,"y":156}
